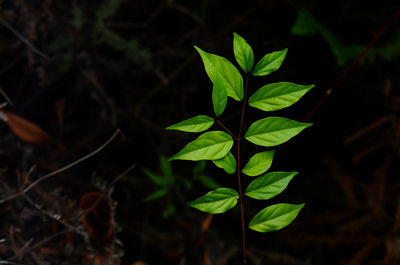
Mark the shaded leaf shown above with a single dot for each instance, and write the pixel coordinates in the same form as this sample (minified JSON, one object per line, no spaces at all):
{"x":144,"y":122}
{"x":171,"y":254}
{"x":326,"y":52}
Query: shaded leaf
{"x":259,"y":163}
{"x":269,"y":185}
{"x":199,"y":168}
{"x":231,"y":77}
{"x":208,"y":182}
{"x":26,"y":130}
{"x":243,"y":53}
{"x":208,"y":146}
{"x":168,"y":211}
{"x":219,"y":96}
{"x":166,"y":170}
{"x":275,"y":217}
{"x":227,"y":163}
{"x":155,"y":195}
{"x":274,"y":131}
{"x":196,"y":124}
{"x":269,"y":63}
{"x":160,"y":181}
{"x":217,"y":201}
{"x":277,"y":96}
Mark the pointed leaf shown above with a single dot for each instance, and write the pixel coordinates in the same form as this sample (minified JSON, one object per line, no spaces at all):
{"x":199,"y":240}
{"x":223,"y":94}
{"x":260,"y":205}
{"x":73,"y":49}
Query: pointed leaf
{"x":243,"y":53}
{"x":160,"y":181}
{"x":231,"y":76}
{"x":269,"y":185}
{"x":269,"y":63}
{"x":208,"y":146}
{"x":275,"y":217}
{"x":155,"y":195}
{"x":219,"y":96}
{"x":166,"y":170}
{"x":196,"y":124}
{"x":26,"y":130}
{"x":274,"y":131}
{"x":277,"y":96}
{"x":217,"y":201}
{"x":227,"y":163}
{"x":259,"y":163}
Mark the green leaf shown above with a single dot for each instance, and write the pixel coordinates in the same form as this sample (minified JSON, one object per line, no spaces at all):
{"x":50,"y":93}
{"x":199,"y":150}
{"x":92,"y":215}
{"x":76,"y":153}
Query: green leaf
{"x":231,"y":77}
{"x":208,"y":182}
{"x":277,"y":96}
{"x":168,"y":211}
{"x":274,"y":131}
{"x":275,"y":217}
{"x":259,"y":163}
{"x":196,"y":124}
{"x":166,"y":170}
{"x":219,"y":96}
{"x":199,"y":168}
{"x":269,"y":63}
{"x":227,"y":163}
{"x":217,"y":201}
{"x":269,"y":185}
{"x":208,"y":146}
{"x":160,"y":181}
{"x":243,"y":53}
{"x":155,"y":195}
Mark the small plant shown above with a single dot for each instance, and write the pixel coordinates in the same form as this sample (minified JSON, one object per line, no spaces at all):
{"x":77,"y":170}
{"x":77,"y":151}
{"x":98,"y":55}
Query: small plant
{"x":268,"y":132}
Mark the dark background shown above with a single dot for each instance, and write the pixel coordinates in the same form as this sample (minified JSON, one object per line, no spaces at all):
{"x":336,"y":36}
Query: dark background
{"x":82,"y":69}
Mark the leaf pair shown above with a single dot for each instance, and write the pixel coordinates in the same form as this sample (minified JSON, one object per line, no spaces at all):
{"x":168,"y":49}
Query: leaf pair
{"x":226,"y":79}
{"x":245,"y":58}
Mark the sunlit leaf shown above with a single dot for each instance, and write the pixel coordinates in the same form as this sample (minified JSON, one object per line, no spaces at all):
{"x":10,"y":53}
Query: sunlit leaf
{"x":269,"y":185}
{"x":243,"y":53}
{"x":231,"y":77}
{"x":208,"y":146}
{"x":275,"y":217}
{"x":259,"y":163}
{"x":219,"y":95}
{"x":227,"y":163}
{"x":277,"y":96}
{"x":274,"y":131}
{"x":269,"y":63}
{"x":196,"y":124}
{"x":217,"y":201}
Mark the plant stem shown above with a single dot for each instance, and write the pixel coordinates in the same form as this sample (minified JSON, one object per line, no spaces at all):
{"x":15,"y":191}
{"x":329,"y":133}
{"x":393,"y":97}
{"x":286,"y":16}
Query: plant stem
{"x":226,"y":129}
{"x":238,"y":170}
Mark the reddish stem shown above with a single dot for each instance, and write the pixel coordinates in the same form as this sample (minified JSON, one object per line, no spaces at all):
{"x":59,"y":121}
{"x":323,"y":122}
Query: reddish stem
{"x":238,"y":170}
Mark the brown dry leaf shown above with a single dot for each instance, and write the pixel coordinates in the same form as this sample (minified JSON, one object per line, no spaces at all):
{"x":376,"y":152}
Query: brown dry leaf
{"x":97,"y":218}
{"x":26,"y":130}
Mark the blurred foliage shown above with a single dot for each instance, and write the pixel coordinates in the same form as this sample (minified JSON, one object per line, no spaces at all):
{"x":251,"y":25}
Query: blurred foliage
{"x":168,"y":183}
{"x":307,"y":25}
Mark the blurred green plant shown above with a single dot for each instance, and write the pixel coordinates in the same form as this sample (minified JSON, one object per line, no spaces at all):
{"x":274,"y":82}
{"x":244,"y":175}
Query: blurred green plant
{"x":167,"y":182}
{"x":307,"y":25}
{"x":268,"y":132}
